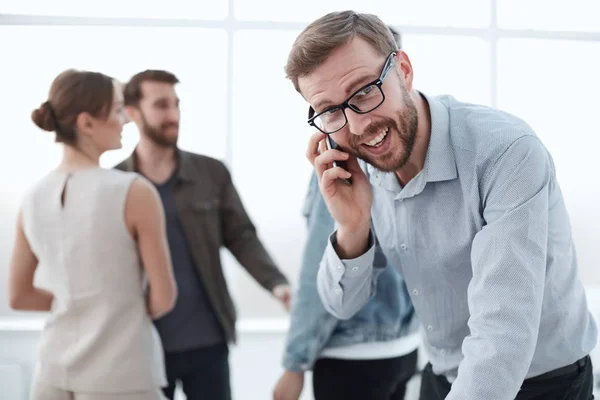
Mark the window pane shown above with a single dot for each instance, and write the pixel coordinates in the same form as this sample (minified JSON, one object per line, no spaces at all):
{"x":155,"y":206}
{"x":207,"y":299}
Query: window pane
{"x":574,"y":15}
{"x":554,"y":86}
{"x":206,"y":10}
{"x":455,"y":65}
{"x":424,"y":12}
{"x":270,"y":135}
{"x":40,"y":54}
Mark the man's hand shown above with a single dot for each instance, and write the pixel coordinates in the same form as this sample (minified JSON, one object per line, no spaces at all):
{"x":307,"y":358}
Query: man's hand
{"x":289,"y":386}
{"x":284,"y":295}
{"x":349,"y":205}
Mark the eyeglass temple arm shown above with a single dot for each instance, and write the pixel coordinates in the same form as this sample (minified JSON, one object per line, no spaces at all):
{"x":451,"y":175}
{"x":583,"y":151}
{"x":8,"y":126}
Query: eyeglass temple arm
{"x":388,"y":66}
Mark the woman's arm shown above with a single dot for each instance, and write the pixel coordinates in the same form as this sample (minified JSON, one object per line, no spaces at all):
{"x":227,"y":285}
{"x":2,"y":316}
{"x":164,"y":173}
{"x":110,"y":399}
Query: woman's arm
{"x":22,"y":295}
{"x":145,"y":216}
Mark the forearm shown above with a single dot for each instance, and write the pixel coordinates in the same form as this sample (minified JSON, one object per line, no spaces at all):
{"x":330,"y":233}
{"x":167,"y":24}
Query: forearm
{"x":310,"y":328}
{"x":345,"y":286}
{"x":34,"y":300}
{"x":303,"y":349}
{"x":505,"y":302}
{"x":241,"y":239}
{"x":495,"y":363}
{"x":160,"y":301}
{"x":252,"y":255}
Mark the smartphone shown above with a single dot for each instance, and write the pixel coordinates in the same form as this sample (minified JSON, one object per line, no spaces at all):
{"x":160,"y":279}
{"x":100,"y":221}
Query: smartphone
{"x":331,"y":144}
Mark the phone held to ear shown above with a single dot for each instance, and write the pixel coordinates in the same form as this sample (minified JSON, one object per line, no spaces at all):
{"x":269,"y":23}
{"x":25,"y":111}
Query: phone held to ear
{"x":342,"y":164}
{"x":330,"y":145}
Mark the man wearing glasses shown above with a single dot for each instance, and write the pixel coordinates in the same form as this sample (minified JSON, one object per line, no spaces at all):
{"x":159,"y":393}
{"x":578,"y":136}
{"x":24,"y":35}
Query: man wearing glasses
{"x":372,"y":355}
{"x":464,"y":200}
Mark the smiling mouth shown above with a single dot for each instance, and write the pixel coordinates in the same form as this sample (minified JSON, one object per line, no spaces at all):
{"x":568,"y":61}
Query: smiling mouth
{"x":378,"y":140}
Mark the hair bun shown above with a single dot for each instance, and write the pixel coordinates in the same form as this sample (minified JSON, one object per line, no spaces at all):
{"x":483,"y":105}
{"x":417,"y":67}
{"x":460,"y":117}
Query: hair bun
{"x":43,"y":117}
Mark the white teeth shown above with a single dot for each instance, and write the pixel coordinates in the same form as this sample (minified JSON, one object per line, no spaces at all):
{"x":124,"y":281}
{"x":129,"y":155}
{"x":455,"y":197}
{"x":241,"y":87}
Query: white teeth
{"x":379,"y":138}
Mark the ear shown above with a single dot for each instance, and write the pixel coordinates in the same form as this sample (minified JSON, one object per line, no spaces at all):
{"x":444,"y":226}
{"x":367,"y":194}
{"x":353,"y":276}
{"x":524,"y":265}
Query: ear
{"x":133,"y":113}
{"x":85,"y":124}
{"x":405,"y":69}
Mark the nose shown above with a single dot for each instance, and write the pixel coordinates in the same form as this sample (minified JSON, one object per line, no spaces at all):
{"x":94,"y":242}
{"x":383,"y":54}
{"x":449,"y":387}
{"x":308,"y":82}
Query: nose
{"x":173,"y":115}
{"x":357,"y":123}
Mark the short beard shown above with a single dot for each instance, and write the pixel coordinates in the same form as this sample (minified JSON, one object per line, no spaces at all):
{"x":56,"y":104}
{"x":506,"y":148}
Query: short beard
{"x":406,"y":129}
{"x":157,"y":135}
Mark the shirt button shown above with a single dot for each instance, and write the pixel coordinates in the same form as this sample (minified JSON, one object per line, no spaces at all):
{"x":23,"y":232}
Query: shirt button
{"x":429,"y":328}
{"x":338,"y":290}
{"x":415,"y":292}
{"x":443,"y":352}
{"x":403,"y":246}
{"x":354,"y":268}
{"x":340,"y":267}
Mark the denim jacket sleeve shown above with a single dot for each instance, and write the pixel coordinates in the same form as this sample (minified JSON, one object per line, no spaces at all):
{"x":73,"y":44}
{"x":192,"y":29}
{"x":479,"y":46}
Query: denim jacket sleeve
{"x":311,"y":325}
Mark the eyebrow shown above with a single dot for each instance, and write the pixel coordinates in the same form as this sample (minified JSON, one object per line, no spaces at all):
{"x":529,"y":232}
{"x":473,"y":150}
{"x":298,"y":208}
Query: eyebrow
{"x":163,"y":99}
{"x":351,"y":88}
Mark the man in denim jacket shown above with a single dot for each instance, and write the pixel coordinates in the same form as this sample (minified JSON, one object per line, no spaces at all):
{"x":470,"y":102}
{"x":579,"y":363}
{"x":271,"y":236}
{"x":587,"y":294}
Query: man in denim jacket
{"x":369,"y":356}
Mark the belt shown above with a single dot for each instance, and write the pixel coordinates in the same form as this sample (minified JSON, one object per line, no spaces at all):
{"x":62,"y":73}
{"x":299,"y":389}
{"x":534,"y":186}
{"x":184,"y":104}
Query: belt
{"x":577,"y":366}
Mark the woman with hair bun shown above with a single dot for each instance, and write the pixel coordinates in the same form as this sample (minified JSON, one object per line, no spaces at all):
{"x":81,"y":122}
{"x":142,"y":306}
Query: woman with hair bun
{"x":95,"y":232}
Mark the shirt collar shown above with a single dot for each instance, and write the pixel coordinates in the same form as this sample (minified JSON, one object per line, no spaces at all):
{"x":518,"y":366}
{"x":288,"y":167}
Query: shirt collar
{"x":184,"y":171}
{"x":440,"y":164}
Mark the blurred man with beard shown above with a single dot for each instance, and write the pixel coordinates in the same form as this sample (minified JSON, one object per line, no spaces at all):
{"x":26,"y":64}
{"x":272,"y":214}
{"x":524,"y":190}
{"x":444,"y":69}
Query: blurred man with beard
{"x":203,"y":212}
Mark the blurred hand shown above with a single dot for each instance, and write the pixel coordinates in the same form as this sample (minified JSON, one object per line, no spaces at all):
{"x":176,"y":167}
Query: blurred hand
{"x":289,"y":386}
{"x":283,"y":293}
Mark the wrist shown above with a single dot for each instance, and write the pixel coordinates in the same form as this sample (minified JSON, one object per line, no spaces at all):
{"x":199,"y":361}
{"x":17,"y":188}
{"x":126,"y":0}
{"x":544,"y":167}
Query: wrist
{"x":357,"y":229}
{"x":352,"y":242}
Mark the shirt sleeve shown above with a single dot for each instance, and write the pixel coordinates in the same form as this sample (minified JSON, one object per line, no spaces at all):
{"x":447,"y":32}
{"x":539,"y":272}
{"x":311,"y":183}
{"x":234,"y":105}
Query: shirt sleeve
{"x":345,"y":286}
{"x":508,"y":258}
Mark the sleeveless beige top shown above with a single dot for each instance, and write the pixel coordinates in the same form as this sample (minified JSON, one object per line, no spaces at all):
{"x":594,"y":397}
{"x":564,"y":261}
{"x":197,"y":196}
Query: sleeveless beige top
{"x":99,"y":337}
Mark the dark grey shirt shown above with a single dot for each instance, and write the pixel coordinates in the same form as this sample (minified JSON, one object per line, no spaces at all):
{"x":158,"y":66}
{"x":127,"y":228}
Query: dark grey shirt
{"x":192,"y":323}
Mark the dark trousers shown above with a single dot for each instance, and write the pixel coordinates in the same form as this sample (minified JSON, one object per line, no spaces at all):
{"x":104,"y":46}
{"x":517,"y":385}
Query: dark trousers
{"x":574,"y":385}
{"x":383,"y":379}
{"x":203,"y":373}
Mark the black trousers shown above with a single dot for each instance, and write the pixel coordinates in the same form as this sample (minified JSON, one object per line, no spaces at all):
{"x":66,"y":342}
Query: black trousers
{"x":575,"y":385}
{"x":383,"y":379}
{"x":203,"y":373}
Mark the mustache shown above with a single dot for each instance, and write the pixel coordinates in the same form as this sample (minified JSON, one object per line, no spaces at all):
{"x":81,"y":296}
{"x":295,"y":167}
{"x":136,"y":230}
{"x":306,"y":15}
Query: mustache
{"x":170,"y":125}
{"x":373,"y":129}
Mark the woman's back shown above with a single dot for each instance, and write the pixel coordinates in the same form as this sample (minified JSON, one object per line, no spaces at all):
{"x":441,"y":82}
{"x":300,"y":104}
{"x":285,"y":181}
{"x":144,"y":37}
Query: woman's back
{"x":99,"y":336}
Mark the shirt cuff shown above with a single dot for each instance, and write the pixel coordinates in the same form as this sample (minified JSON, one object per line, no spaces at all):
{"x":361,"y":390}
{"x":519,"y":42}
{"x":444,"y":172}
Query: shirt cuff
{"x":296,"y":365}
{"x":350,"y":267}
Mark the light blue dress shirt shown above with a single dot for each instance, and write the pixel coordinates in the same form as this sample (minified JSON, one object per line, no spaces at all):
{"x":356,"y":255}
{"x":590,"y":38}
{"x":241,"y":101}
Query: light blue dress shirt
{"x":483,"y":240}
